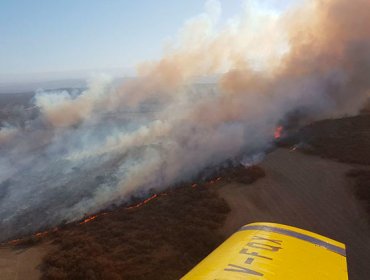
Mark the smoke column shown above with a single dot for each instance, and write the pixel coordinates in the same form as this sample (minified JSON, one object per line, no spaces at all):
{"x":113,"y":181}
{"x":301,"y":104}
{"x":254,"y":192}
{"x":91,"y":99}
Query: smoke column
{"x":88,"y":151}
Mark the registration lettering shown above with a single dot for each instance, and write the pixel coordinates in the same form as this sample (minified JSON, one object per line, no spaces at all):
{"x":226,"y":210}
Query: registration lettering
{"x":255,"y":249}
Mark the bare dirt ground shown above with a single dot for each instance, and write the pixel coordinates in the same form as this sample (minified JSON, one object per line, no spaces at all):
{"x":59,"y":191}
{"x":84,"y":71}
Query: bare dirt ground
{"x":21,"y":264}
{"x":307,"y":192}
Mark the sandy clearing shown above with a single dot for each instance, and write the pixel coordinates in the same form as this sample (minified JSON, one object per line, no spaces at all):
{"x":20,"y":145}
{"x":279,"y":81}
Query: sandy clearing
{"x":307,"y":192}
{"x":21,"y":264}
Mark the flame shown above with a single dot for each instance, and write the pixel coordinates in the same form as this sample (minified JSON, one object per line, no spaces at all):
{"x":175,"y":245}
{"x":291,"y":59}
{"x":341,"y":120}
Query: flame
{"x":89,"y":219}
{"x":278,"y":132}
{"x":40,"y":234}
{"x":92,"y":218}
{"x":15,"y":242}
{"x":143,"y":202}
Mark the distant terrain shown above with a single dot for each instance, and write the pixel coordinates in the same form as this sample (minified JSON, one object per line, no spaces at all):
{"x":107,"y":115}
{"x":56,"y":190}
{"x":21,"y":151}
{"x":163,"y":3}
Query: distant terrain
{"x":19,"y":87}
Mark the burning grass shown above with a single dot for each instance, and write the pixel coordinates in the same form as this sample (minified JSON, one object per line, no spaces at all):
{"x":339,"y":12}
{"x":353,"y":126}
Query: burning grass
{"x":161,"y":239}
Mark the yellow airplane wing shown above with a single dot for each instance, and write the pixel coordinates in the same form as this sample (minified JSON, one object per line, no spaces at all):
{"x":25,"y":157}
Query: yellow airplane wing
{"x":274,"y":252}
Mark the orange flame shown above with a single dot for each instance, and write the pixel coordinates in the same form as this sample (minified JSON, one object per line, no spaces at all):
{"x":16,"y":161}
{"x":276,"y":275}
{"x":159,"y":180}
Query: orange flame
{"x":92,"y":218}
{"x":142,"y":203}
{"x":41,"y":234}
{"x":278,"y":132}
{"x":15,"y":242}
{"x":89,"y":219}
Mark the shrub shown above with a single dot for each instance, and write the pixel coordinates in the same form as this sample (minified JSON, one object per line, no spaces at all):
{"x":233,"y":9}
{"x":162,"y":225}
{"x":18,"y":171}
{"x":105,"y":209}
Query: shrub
{"x":162,"y":240}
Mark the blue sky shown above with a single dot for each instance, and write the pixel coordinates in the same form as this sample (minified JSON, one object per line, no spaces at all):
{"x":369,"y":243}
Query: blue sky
{"x":48,"y":35}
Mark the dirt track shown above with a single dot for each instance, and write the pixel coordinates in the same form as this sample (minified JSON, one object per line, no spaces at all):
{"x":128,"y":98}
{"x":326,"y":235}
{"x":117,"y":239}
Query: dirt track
{"x":308,"y":192}
{"x":21,"y":264}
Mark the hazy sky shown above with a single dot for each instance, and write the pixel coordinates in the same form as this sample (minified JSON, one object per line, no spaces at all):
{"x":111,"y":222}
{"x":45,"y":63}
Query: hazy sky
{"x":48,"y":35}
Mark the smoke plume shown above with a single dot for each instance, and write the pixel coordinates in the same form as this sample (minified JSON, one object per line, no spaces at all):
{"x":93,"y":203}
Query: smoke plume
{"x":87,"y":151}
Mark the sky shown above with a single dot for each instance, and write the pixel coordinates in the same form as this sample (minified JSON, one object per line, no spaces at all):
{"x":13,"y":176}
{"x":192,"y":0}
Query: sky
{"x":43,"y":36}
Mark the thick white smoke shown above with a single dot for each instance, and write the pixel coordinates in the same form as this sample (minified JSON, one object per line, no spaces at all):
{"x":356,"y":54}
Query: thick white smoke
{"x":90,"y":150}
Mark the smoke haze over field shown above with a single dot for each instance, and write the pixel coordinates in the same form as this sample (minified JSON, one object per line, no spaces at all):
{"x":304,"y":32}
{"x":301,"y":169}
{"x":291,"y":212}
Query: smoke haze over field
{"x":87,"y":151}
